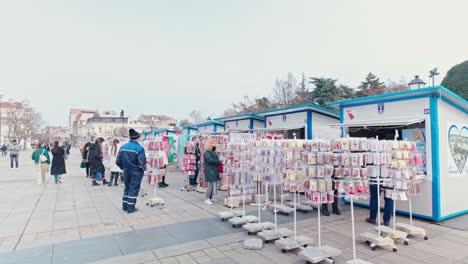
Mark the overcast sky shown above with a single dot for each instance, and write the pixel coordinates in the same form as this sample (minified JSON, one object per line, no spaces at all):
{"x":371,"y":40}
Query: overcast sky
{"x":171,"y":57}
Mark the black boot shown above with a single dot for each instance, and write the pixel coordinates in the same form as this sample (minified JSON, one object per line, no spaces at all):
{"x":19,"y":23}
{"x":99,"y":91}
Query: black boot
{"x":116,"y":179}
{"x":163,"y":184}
{"x":95,"y":183}
{"x":325,"y":210}
{"x":111,"y":179}
{"x":336,"y":210}
{"x":104,"y":181}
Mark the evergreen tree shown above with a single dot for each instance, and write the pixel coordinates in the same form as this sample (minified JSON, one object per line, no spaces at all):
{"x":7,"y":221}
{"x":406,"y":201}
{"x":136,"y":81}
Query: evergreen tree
{"x":371,"y":85}
{"x":457,"y":79}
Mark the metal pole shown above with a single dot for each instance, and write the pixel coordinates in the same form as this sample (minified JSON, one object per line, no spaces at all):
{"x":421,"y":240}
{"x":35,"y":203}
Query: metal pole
{"x":410,"y":210}
{"x":352,"y":224}
{"x":1,"y":139}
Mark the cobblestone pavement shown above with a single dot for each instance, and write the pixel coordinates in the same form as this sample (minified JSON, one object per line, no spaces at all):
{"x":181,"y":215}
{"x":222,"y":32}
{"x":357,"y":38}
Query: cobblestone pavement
{"x":74,"y":222}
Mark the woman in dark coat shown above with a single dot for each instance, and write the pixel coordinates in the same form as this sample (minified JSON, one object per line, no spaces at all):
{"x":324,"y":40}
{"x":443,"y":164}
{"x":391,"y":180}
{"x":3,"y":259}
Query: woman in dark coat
{"x":211,"y":170}
{"x":58,"y":163}
{"x":95,"y":158}
{"x":84,"y":156}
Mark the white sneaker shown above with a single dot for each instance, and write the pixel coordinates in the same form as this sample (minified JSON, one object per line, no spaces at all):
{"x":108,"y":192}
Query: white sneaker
{"x":208,"y":202}
{"x":214,"y":200}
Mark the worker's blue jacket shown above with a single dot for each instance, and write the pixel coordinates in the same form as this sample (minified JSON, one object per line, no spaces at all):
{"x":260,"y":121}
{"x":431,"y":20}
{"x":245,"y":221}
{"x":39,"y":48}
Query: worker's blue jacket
{"x":131,"y":157}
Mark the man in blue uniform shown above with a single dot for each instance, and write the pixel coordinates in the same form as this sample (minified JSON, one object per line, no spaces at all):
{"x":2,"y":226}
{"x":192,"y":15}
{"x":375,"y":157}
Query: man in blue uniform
{"x":132,"y":160}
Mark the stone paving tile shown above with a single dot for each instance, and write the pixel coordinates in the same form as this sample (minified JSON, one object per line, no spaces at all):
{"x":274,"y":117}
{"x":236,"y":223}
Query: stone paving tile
{"x":198,"y":254}
{"x":141,"y":257}
{"x":223,"y":261}
{"x":204,"y":259}
{"x":251,"y":257}
{"x":393,"y":258}
{"x":181,"y":249}
{"x":421,"y":255}
{"x":272,"y":253}
{"x":444,"y":248}
{"x":169,"y":261}
{"x":214,"y":253}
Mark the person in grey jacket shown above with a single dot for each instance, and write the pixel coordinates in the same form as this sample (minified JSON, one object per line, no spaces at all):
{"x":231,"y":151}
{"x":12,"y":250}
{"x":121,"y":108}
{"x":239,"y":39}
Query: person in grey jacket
{"x":14,"y":150}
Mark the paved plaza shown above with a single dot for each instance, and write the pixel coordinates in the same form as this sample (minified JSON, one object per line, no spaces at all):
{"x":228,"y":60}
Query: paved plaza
{"x":74,"y":222}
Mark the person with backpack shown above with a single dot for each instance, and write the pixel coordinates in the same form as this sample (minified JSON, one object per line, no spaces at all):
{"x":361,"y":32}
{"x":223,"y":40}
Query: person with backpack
{"x":42,"y":161}
{"x":132,"y":160}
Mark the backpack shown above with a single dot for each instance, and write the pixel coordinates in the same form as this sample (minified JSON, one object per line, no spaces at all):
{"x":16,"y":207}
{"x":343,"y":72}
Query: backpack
{"x":42,"y":157}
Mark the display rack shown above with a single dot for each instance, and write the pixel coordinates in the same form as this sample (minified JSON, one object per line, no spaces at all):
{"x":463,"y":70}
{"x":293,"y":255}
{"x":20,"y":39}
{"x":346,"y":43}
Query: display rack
{"x":378,"y":172}
{"x":156,"y":163}
{"x":354,"y":260}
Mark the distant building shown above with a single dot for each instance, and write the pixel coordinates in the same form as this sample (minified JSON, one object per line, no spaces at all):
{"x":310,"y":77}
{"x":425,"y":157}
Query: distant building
{"x":77,"y":118}
{"x":61,"y":134}
{"x":16,"y":122}
{"x":106,"y":127}
{"x":6,"y":111}
{"x":157,"y":121}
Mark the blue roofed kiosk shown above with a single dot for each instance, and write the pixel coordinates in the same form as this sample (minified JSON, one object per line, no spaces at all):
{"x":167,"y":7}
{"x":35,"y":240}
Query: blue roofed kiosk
{"x":435,"y":116}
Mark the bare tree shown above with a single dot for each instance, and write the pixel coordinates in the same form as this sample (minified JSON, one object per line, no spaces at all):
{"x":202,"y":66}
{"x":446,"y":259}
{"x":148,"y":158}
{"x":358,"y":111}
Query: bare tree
{"x":197,"y":116}
{"x":22,"y":121}
{"x":284,"y":91}
{"x":248,"y":105}
{"x":393,"y":86}
{"x":303,"y":95}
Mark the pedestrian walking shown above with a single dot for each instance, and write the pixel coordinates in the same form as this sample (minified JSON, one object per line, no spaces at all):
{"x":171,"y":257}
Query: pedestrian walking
{"x":212,"y":163}
{"x":105,"y":159}
{"x":14,"y":150}
{"x":85,"y":159}
{"x":95,"y":159}
{"x":41,"y":160}
{"x":58,"y":162}
{"x":4,"y":150}
{"x":66,"y":148}
{"x":115,"y":171}
{"x":132,"y":160}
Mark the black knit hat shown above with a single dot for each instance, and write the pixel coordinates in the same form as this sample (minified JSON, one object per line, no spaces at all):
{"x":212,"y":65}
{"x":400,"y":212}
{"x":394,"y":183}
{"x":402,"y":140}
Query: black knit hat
{"x":133,"y":134}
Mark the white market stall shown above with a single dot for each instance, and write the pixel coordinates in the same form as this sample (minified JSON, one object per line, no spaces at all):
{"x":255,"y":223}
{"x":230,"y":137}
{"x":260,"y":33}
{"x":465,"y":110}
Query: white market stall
{"x":309,"y":120}
{"x":242,"y":122}
{"x":436,"y":118}
{"x":189,"y":130}
{"x":210,"y":127}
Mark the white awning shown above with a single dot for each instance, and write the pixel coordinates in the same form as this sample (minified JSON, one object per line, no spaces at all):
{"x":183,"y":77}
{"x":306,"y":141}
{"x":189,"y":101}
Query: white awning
{"x":398,"y":121}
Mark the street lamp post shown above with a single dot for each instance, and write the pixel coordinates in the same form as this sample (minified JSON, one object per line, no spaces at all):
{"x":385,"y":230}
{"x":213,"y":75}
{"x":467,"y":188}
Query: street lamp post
{"x":433,"y":74}
{"x":416,"y":83}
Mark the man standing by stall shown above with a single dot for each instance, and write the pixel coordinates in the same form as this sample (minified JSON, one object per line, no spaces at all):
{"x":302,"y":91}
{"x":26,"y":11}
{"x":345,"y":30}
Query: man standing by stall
{"x":132,"y":160}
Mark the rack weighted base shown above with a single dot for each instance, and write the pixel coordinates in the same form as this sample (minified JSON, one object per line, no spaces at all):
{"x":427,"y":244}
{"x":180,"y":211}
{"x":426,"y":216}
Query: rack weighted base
{"x":268,"y":235}
{"x":287,"y":244}
{"x":412,"y":230}
{"x":374,"y":240}
{"x":396,"y":235}
{"x":285,"y":232}
{"x":155,"y":201}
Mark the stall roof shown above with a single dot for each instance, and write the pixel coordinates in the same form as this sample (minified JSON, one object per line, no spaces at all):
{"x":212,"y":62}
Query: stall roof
{"x":447,"y":95}
{"x":190,"y":127}
{"x":299,"y":108}
{"x":210,"y":123}
{"x":239,"y":117}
